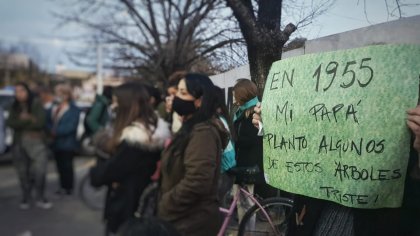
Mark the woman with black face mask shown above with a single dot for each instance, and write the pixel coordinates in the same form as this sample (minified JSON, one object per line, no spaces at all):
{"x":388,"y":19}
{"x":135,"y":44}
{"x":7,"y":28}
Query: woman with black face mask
{"x":191,"y":164}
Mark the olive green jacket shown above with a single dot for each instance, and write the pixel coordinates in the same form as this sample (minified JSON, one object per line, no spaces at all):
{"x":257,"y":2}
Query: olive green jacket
{"x":36,"y":125}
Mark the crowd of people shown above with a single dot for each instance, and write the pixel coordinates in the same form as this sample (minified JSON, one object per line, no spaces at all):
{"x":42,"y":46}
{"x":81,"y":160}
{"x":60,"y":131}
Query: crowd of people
{"x":193,"y":142}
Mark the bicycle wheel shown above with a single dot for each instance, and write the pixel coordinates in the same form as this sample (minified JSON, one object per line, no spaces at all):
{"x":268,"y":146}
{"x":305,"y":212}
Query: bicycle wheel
{"x":148,"y":201}
{"x":256,"y":223}
{"x":93,"y":198}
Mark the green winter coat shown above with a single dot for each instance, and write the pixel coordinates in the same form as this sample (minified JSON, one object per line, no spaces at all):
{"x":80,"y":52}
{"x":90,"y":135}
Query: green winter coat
{"x":34,"y":126}
{"x":188,"y":193}
{"x":98,"y":116}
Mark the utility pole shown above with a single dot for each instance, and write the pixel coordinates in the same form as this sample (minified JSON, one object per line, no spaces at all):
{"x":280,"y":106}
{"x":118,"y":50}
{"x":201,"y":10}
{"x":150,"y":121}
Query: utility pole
{"x":7,"y":72}
{"x":99,"y":78}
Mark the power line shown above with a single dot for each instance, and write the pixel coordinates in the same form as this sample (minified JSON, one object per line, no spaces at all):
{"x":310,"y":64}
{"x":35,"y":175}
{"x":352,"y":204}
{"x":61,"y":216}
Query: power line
{"x":346,"y":17}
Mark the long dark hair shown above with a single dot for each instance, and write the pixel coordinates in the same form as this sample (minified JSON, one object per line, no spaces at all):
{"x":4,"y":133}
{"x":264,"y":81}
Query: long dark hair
{"x":199,"y":86}
{"x":133,"y":105}
{"x":17,"y":106}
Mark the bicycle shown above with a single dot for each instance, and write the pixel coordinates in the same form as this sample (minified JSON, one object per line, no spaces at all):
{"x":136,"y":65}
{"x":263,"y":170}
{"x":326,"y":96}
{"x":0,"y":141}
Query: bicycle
{"x":148,"y":201}
{"x":92,"y":197}
{"x":271,"y":215}
{"x":265,"y":217}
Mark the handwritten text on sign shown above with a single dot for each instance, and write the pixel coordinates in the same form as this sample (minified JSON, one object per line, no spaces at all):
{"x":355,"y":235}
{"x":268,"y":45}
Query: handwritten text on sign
{"x":335,"y":124}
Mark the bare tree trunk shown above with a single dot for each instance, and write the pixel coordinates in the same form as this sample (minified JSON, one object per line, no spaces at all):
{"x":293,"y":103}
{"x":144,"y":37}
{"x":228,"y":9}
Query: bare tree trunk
{"x":262,"y":34}
{"x":260,"y":59}
{"x":259,"y":21}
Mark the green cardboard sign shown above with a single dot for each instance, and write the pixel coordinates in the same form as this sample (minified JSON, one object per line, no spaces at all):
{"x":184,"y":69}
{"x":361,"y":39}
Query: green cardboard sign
{"x":335,"y":124}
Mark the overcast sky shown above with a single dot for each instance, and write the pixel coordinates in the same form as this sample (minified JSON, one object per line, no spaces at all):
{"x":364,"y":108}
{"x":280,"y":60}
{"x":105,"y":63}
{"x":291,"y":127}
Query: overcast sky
{"x":31,"y":21}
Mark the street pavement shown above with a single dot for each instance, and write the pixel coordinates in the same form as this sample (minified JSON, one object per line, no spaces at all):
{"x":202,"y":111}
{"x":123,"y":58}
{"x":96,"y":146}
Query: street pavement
{"x":68,"y":217}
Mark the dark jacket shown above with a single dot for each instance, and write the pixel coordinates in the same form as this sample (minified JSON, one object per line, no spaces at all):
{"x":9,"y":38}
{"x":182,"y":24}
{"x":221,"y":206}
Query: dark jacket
{"x":248,"y":145}
{"x":128,"y":171}
{"x":20,"y":127}
{"x":98,"y":115}
{"x":410,"y":210}
{"x":328,"y":218}
{"x":64,"y":130}
{"x":188,"y":193}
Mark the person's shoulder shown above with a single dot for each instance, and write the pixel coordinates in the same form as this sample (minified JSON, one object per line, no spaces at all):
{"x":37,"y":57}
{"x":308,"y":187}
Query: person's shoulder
{"x":202,"y":126}
{"x":213,"y":125}
{"x":105,"y":100}
{"x":101,"y":99}
{"x":202,"y":130}
{"x":73,"y":108}
{"x":212,"y":129}
{"x":138,"y":135}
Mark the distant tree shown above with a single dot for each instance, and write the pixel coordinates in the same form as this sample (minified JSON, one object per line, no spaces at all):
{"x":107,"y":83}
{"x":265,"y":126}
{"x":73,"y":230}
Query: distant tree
{"x":154,"y":38}
{"x":13,"y":71}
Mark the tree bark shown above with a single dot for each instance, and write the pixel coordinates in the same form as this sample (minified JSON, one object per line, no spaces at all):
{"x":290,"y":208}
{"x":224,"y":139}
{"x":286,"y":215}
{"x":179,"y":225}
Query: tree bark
{"x":262,"y":34}
{"x":260,"y":60}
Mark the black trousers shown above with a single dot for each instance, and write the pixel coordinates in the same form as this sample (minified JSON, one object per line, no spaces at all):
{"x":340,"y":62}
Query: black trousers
{"x":64,"y":161}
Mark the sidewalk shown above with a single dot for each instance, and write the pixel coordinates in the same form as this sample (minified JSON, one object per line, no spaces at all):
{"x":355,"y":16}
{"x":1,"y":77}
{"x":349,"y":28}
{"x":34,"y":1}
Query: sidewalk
{"x":68,"y":217}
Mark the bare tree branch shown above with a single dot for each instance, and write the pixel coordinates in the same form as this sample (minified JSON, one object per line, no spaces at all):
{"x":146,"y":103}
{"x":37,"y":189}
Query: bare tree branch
{"x":162,"y":35}
{"x":263,"y":34}
{"x":244,"y":13}
{"x":365,"y":11}
{"x":398,"y":7}
{"x":214,"y":47}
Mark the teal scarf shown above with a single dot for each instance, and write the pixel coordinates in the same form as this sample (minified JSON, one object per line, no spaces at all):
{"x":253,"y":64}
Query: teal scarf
{"x":247,"y":105}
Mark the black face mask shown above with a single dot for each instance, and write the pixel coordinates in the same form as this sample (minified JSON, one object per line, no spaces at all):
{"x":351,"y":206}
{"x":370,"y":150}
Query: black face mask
{"x":183,"y":107}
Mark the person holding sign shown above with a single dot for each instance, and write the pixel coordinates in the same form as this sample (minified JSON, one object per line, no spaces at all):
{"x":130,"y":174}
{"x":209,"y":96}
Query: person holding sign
{"x":327,"y":218}
{"x":410,"y":212}
{"x":248,"y":145}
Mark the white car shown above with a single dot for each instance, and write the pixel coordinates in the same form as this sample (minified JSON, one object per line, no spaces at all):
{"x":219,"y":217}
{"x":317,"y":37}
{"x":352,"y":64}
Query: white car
{"x":7,"y":97}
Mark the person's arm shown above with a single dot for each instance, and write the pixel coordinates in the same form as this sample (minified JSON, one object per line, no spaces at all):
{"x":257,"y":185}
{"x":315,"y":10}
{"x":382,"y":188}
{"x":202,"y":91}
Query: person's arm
{"x":126,"y":161}
{"x":247,"y":135}
{"x":257,"y":120}
{"x":15,"y":122}
{"x":200,"y":160}
{"x":68,"y":126}
{"x":413,"y":122}
{"x":92,"y":120}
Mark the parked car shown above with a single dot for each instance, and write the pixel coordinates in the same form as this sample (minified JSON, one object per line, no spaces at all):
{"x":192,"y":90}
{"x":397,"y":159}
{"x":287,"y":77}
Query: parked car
{"x":7,"y":97}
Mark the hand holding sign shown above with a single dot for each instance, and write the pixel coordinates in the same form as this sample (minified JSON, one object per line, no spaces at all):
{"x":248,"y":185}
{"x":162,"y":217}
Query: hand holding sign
{"x":256,"y":117}
{"x":413,"y":122}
